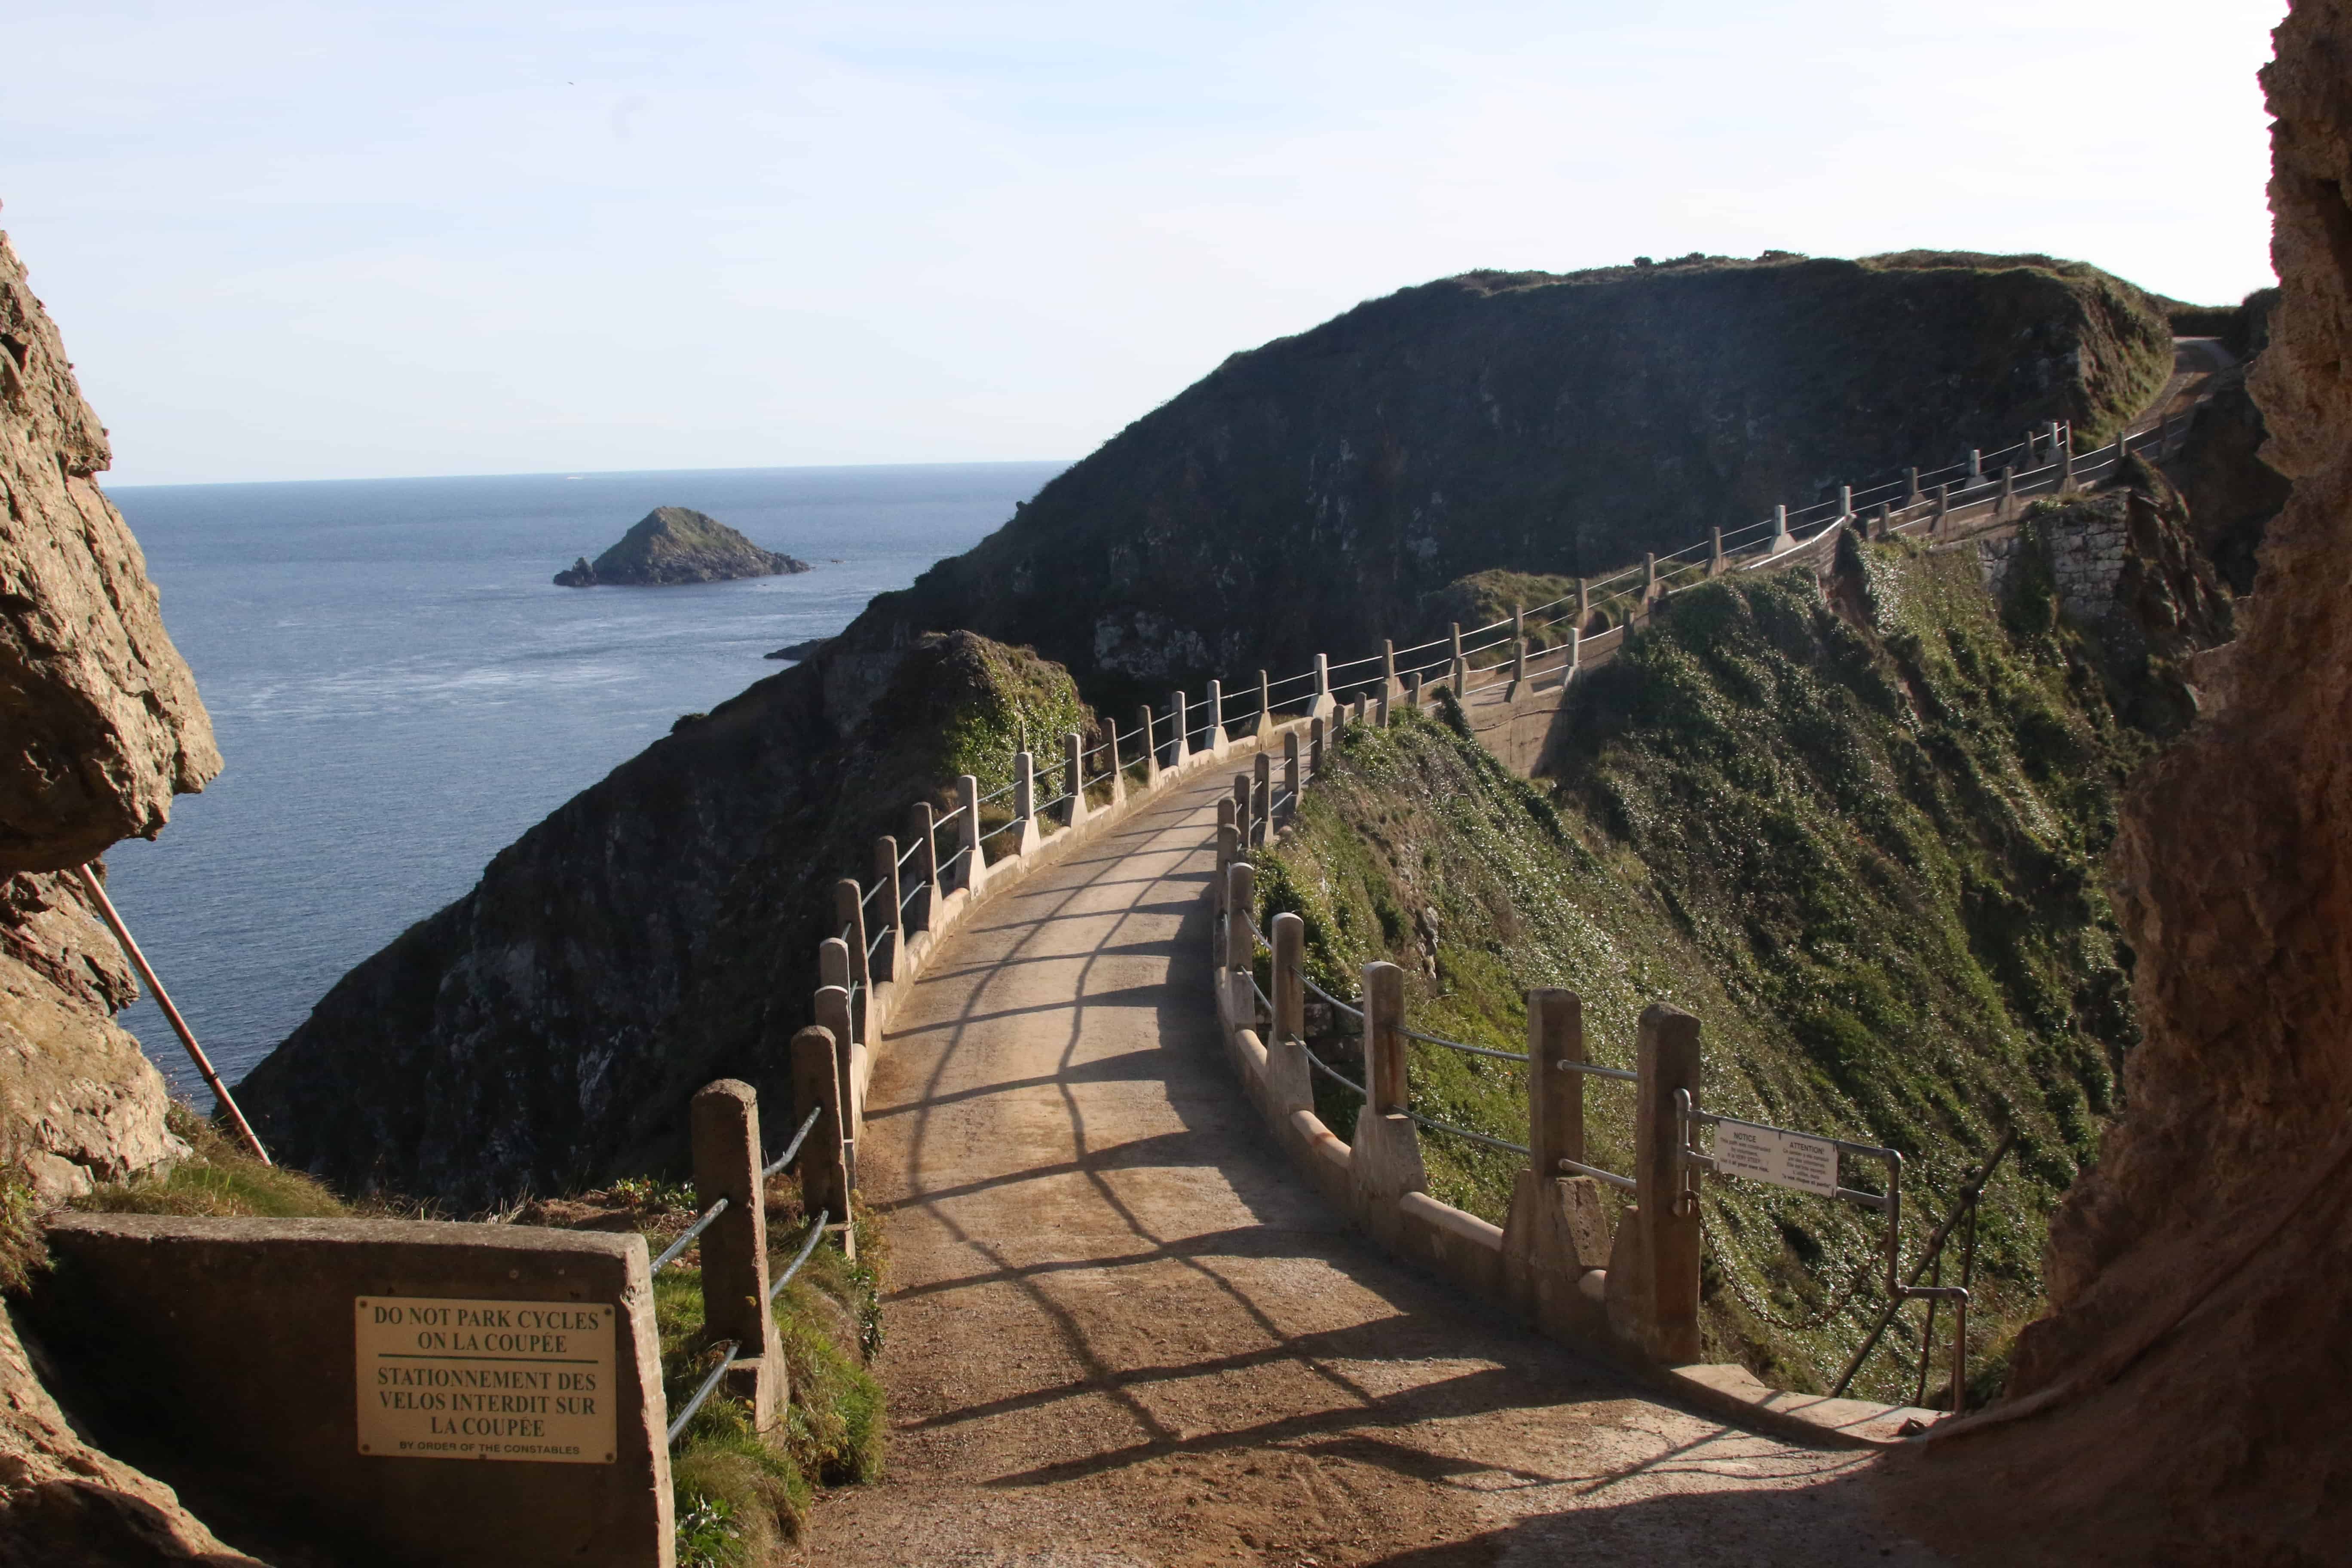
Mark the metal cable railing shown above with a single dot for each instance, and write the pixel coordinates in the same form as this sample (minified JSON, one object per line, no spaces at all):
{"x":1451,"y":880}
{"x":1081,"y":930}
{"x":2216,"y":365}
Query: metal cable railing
{"x":1466,"y":1049}
{"x":703,"y":1223}
{"x":815,"y":1235}
{"x":703,"y":1392}
{"x":911,"y":851}
{"x":792,"y":1148}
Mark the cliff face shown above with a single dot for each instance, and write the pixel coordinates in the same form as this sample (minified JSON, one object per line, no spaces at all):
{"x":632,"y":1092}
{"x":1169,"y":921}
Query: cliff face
{"x":2191,"y":1376}
{"x":100,"y":726}
{"x":1308,"y":494}
{"x":658,"y":930}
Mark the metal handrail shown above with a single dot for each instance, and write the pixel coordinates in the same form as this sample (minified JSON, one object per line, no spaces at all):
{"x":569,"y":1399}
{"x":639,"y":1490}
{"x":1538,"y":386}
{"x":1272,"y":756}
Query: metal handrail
{"x":1319,"y":1064}
{"x":1612,"y":1177}
{"x":867,"y":897}
{"x":911,"y":897}
{"x":1356,"y":1013}
{"x":669,"y":1253}
{"x":912,"y":850}
{"x":1458,"y":1045}
{"x":1434,"y":1125}
{"x":815,"y":1235}
{"x":879,"y":937}
{"x":695,"y":1403}
{"x":792,"y":1148}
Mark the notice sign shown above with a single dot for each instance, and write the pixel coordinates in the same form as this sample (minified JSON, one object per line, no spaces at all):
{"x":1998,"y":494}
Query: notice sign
{"x":1768,"y":1155}
{"x":443,"y":1379}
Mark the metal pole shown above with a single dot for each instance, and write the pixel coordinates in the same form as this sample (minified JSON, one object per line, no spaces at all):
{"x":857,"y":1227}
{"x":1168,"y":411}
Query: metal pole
{"x":90,"y":884}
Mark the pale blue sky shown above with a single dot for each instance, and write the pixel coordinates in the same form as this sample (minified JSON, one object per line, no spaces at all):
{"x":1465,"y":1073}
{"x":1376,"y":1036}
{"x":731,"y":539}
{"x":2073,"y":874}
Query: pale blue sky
{"x":296,"y":240}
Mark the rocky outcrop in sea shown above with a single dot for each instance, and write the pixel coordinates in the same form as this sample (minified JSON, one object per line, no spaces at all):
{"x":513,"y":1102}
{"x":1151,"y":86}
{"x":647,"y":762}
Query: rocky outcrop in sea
{"x":678,"y":545}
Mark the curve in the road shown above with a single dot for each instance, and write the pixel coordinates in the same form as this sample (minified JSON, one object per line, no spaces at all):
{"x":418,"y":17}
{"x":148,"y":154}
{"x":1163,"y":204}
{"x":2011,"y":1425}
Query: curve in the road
{"x":1122,"y":1331}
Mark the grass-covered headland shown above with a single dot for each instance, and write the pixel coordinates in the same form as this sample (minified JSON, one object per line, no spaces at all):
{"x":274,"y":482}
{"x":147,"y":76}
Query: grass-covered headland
{"x":1859,"y":840}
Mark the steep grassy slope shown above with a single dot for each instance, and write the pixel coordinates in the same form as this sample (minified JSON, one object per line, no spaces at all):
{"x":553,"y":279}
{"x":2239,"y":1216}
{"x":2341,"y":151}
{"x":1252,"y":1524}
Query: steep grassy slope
{"x":1308,"y":494}
{"x":1863,"y":847}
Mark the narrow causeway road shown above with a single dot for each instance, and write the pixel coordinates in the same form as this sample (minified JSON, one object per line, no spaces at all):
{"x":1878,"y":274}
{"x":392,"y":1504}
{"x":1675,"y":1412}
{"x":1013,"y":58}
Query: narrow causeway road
{"x":1124,"y":1333}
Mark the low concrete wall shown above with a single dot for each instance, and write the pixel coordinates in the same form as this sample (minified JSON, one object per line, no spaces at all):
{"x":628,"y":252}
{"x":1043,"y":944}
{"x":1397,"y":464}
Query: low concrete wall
{"x":266,"y":1352}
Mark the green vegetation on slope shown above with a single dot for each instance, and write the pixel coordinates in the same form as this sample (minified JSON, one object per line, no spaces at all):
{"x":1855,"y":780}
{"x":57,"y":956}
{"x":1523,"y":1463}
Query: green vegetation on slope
{"x":1864,"y":849}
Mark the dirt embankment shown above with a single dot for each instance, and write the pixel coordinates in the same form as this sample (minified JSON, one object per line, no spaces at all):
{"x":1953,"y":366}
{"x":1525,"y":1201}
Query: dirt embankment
{"x":2184,"y":1401}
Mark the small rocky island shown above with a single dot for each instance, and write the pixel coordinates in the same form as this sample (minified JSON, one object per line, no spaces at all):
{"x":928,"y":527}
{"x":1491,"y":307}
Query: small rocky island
{"x":679,"y":544}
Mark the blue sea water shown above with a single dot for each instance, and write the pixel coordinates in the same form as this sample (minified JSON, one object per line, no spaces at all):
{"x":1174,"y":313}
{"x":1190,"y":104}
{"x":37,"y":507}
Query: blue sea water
{"x":399,"y":690}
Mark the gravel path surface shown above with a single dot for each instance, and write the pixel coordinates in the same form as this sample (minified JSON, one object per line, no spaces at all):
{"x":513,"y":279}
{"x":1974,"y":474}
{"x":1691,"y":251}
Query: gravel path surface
{"x":1122,"y":1333}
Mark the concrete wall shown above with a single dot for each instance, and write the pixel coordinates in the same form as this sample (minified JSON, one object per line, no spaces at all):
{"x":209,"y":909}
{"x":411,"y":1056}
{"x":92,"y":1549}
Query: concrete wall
{"x":232,"y":1347}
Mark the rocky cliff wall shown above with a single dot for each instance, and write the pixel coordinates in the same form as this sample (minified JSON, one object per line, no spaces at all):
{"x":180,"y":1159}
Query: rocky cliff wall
{"x":2184,"y":1401}
{"x":100,"y":727}
{"x":657,"y":930}
{"x":1312,"y":493}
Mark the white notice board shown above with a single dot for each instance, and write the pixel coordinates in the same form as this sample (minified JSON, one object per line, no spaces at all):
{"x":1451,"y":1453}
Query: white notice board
{"x":1768,"y":1155}
{"x":448,"y":1379}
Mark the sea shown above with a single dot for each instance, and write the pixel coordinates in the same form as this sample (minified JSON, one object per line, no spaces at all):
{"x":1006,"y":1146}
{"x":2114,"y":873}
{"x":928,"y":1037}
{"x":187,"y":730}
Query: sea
{"x":399,"y":690}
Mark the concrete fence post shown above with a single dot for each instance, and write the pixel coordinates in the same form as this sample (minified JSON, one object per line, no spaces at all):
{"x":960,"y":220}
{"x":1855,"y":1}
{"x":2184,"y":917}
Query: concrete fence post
{"x":2065,"y":446}
{"x":1575,"y":648}
{"x":1316,"y":736}
{"x":1459,"y":670}
{"x":1583,"y":600}
{"x":1555,"y":1092}
{"x":2122,"y":450}
{"x":1911,"y":486}
{"x":1780,"y":539}
{"x":1265,"y":704}
{"x":1518,"y":663}
{"x":723,"y":1132}
{"x":1289,"y":1081}
{"x":1290,"y":770}
{"x":1355,"y":710}
{"x":925,"y":830}
{"x":885,"y":877}
{"x":2001,"y":507}
{"x":1845,"y":502}
{"x":1179,"y":717}
{"x":849,"y":909}
{"x":1653,"y":1269}
{"x":1261,"y":798}
{"x":1241,"y":902}
{"x":1024,"y":788}
{"x":1715,"y":554}
{"x":832,"y":964}
{"x":832,"y":1011}
{"x":1556,"y":1233}
{"x":1117,"y":772}
{"x":1942,"y":505}
{"x":1413,"y":692}
{"x":1074,"y":777}
{"x":1215,"y":725}
{"x":1151,"y":748}
{"x":1886,"y":525}
{"x":1241,"y":803}
{"x":1976,"y":470}
{"x":1384,"y":1164}
{"x":1229,"y":848}
{"x":1649,"y":575}
{"x":1519,"y":624}
{"x":2055,"y":439}
{"x":968,"y":831}
{"x":1380,"y":708}
{"x":1322,"y":684}
{"x":818,"y":1063}
{"x":1388,"y":668}
{"x":1387,"y":1084}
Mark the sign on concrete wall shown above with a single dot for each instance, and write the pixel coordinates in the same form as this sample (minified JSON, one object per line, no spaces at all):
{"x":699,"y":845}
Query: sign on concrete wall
{"x":1770,"y":1154}
{"x":441,"y":1378}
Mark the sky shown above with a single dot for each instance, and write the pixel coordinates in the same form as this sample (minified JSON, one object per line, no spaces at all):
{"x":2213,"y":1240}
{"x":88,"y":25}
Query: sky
{"x":342,"y":240}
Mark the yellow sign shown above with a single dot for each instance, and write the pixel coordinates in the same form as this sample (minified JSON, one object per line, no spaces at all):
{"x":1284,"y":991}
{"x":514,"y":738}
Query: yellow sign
{"x":443,"y":1379}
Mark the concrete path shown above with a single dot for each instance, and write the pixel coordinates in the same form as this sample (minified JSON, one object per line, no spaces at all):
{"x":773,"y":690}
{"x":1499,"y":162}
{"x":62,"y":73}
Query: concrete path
{"x":1122,"y":1333}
